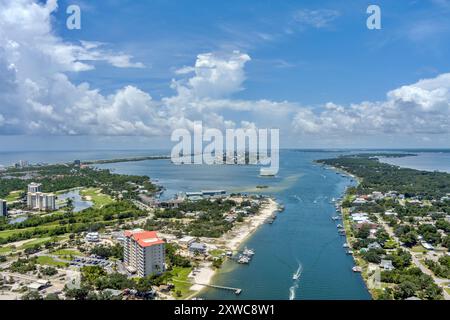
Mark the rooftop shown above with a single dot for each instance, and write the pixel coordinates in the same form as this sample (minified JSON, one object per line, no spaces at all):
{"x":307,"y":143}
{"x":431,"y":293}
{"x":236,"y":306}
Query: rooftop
{"x":144,"y":238}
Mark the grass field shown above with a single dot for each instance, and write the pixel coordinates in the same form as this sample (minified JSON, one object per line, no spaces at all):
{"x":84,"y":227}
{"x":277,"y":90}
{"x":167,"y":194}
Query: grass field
{"x":13,"y":196}
{"x":94,"y":194}
{"x":181,"y":281}
{"x":49,"y":261}
{"x":5,"y":250}
{"x":34,"y":242}
{"x":216,"y":252}
{"x":7,"y":233}
{"x":418,"y":249}
{"x":67,"y":254}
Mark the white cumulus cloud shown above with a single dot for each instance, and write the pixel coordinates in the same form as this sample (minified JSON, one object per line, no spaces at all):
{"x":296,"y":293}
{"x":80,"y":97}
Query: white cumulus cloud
{"x":38,"y":97}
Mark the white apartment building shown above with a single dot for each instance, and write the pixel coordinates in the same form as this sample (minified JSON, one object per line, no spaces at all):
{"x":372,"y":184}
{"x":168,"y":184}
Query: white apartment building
{"x":38,"y":200}
{"x":35,"y":187}
{"x":144,"y":252}
{"x":3,"y":208}
{"x":41,"y":201}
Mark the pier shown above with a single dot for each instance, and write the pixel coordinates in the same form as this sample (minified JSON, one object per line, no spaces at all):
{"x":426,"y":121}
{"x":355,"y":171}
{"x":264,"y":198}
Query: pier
{"x":236,"y":291}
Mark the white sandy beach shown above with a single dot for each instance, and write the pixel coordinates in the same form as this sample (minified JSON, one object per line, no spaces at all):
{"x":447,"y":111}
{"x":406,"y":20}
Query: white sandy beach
{"x":203,"y":276}
{"x":237,"y":236}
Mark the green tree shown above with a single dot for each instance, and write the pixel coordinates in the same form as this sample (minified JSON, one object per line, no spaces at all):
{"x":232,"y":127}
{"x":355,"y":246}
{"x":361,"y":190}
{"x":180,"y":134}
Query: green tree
{"x":31,"y":295}
{"x":409,"y":239}
{"x":405,"y":290}
{"x":51,"y":296}
{"x":90,"y":274}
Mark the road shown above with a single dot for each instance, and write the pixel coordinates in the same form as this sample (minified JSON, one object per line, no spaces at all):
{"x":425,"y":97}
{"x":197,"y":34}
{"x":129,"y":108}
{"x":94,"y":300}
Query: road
{"x":439,"y":281}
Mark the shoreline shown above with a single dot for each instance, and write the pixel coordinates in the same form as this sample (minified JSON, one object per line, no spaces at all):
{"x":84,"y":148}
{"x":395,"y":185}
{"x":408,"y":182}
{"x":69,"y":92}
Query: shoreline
{"x":233,"y":239}
{"x":237,"y":236}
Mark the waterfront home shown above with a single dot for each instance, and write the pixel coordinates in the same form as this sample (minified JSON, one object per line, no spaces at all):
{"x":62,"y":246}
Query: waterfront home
{"x":186,"y":241}
{"x":359,"y":217}
{"x":196,"y":247}
{"x":387,"y":265}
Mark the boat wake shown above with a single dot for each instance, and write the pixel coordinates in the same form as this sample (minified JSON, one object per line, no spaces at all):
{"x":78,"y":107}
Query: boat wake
{"x":296,"y":278}
{"x":298,"y":272}
{"x":292,"y":291}
{"x":296,"y":197}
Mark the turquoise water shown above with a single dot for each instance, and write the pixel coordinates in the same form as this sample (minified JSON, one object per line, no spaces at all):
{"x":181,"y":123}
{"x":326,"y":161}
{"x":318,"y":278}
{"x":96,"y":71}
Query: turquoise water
{"x":304,"y":234}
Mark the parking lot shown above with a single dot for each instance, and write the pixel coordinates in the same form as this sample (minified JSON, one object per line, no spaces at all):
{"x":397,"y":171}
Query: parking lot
{"x":90,"y":261}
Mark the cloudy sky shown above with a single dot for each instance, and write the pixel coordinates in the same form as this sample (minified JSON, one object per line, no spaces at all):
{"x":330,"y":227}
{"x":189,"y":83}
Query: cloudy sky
{"x":137,"y":70}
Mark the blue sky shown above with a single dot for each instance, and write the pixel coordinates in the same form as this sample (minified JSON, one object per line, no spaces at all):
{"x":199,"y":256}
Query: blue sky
{"x":310,"y":66}
{"x":342,"y":62}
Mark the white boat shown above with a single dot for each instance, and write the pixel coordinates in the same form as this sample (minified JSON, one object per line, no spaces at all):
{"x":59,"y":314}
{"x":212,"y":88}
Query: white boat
{"x":267,"y":172}
{"x":345,"y":245}
{"x":356,"y":269}
{"x":243,"y":259}
{"x":248,"y":252}
{"x":298,"y":272}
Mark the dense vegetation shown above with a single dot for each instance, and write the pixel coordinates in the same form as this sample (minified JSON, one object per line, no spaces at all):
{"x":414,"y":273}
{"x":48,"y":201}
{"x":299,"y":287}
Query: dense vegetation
{"x":91,"y":219}
{"x":384,"y":177}
{"x":62,"y":177}
{"x":209,"y":222}
{"x":412,"y":222}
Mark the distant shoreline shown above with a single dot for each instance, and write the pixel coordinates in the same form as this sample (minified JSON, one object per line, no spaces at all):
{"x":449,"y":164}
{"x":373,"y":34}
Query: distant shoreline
{"x":118,"y":160}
